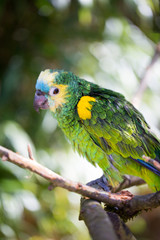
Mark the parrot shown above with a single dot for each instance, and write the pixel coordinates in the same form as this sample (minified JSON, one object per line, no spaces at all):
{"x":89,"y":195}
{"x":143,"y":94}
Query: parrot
{"x":101,"y":125}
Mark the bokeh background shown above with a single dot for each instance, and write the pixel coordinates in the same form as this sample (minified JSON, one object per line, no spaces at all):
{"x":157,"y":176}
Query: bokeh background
{"x":109,"y":42}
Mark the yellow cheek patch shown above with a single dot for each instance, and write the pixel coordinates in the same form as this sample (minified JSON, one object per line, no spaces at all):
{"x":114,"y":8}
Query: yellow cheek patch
{"x":60,"y":98}
{"x":84,"y":107}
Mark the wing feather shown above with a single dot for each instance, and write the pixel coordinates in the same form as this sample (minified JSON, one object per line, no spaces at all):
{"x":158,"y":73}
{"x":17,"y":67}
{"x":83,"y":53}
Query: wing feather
{"x":116,"y":126}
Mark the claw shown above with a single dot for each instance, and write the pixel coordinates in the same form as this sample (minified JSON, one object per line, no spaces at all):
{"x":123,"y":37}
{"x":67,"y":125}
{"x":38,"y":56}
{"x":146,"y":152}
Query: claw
{"x":100,"y":183}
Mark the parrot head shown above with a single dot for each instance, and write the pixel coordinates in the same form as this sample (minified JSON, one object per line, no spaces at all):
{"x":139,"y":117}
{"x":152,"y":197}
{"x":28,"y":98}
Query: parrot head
{"x":54,"y":88}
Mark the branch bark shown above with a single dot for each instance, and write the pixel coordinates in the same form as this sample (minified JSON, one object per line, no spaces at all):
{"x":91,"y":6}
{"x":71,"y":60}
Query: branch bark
{"x":96,"y":220}
{"x":102,"y":225}
{"x":129,"y":181}
{"x":126,"y":204}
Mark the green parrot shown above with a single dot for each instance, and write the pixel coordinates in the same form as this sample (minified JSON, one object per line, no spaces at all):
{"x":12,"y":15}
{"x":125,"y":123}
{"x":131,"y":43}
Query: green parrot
{"x":101,"y":125}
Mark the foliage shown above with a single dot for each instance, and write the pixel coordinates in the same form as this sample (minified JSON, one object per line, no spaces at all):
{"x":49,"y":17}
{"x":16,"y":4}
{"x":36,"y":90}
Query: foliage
{"x":109,"y":42}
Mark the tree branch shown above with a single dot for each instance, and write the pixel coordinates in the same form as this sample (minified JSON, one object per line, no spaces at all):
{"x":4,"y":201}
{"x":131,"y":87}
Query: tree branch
{"x":125,"y":204}
{"x":96,"y":220}
{"x":129,"y":181}
{"x":153,"y":162}
{"x":145,"y":77}
{"x":57,"y":180}
{"x":102,"y":225}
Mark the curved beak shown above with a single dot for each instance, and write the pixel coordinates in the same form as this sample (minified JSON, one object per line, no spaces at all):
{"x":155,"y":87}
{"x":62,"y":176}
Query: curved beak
{"x":40,"y":101}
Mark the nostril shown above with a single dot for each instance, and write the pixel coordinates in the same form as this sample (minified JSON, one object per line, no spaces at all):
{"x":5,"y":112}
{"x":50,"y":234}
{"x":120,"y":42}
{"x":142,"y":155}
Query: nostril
{"x":39,"y":93}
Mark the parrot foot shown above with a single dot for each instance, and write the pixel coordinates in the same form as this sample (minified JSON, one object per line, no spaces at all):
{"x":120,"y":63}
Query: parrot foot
{"x":100,"y":183}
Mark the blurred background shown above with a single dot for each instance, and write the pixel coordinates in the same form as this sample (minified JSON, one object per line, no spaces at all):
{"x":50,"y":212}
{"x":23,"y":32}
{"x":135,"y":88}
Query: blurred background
{"x":109,"y":42}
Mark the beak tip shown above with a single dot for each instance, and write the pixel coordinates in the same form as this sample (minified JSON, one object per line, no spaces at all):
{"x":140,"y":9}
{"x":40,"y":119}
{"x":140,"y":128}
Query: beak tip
{"x":36,"y":108}
{"x":40,"y":101}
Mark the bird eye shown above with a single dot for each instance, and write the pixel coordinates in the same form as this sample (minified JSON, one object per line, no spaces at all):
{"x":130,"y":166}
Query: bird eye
{"x":53,"y":91}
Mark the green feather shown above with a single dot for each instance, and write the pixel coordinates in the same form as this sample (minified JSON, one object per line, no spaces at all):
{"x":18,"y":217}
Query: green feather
{"x":115,"y":137}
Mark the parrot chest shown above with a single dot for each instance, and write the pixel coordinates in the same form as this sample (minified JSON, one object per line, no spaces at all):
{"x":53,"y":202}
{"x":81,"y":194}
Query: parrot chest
{"x":82,"y":142}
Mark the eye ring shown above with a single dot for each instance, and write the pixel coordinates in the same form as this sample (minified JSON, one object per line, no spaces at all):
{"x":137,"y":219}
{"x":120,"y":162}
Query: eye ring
{"x":53,"y":91}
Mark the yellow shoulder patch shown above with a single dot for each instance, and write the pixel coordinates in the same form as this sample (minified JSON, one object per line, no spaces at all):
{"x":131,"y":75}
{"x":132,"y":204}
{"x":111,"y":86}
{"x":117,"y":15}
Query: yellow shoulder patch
{"x":84,"y":107}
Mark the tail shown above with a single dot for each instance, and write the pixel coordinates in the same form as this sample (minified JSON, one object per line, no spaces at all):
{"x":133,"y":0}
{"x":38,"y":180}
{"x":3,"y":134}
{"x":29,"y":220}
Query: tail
{"x":153,"y":165}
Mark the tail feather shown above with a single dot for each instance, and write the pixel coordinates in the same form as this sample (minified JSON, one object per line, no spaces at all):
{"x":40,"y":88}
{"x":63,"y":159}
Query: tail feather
{"x":157,"y":152}
{"x":149,"y":166}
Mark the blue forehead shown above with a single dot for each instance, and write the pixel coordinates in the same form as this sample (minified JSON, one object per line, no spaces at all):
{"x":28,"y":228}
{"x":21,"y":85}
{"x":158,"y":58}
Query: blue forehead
{"x":40,"y":85}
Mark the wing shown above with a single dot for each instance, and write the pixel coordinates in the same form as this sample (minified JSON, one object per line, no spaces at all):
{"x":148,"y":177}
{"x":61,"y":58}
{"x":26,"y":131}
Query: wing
{"x":116,"y":126}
